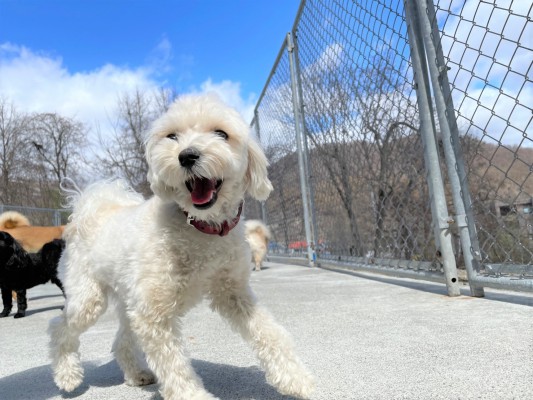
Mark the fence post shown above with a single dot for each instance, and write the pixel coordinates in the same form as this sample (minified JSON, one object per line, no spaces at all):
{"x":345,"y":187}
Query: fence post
{"x":57,"y":218}
{"x":439,"y":210}
{"x":309,"y":173}
{"x":298,"y":125}
{"x":450,"y":139}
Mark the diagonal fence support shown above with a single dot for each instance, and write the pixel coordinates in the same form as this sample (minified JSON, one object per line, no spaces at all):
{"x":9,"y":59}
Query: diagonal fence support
{"x":428,"y":134}
{"x":463,"y":218}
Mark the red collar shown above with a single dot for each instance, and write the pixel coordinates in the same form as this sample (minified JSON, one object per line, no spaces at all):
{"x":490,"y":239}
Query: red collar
{"x":221,"y":230}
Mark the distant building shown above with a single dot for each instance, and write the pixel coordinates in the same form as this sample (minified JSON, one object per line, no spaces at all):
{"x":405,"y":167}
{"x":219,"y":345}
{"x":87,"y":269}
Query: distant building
{"x":521,"y":211}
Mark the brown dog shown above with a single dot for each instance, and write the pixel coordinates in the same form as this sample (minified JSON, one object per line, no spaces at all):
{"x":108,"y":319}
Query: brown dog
{"x":257,"y":235}
{"x":31,"y":238}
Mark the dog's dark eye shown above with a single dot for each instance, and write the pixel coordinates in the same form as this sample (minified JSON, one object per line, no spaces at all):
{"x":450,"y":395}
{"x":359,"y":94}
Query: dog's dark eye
{"x":172,"y":136}
{"x":222,"y":134}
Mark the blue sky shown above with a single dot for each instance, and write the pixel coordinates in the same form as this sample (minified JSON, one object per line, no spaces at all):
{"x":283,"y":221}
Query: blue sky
{"x":75,"y":57}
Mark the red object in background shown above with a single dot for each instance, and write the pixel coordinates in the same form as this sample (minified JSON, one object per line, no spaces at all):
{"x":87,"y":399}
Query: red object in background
{"x":298,"y":245}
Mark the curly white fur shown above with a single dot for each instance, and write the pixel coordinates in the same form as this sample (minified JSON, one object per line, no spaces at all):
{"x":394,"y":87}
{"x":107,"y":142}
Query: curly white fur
{"x":145,"y":256}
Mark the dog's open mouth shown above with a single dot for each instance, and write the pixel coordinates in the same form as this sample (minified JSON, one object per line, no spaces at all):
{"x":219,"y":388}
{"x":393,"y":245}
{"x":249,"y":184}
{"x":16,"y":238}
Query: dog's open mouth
{"x":204,"y":191}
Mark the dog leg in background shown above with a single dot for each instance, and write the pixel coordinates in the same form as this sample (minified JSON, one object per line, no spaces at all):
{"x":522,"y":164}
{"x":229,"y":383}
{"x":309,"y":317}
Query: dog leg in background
{"x":271,"y":343}
{"x":86,"y":302}
{"x":258,"y":258}
{"x":22,"y":304}
{"x":129,"y":356}
{"x":7,"y":301}
{"x":58,"y":283}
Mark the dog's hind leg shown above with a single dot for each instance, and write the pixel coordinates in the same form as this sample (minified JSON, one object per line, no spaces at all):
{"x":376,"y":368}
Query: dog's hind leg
{"x":129,"y":355}
{"x":154,"y":324}
{"x":85,"y":302}
{"x":7,"y":301}
{"x":271,"y":343}
{"x":22,"y":303}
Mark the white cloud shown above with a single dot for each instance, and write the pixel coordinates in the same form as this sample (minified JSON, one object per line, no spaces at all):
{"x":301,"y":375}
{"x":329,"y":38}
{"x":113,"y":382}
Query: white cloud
{"x":38,"y":82}
{"x":489,"y":68}
{"x":160,"y":59}
{"x":230,"y":92}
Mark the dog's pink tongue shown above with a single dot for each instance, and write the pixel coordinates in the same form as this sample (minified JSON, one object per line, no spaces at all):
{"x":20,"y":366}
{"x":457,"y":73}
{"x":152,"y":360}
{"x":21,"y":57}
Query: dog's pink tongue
{"x":203,"y":190}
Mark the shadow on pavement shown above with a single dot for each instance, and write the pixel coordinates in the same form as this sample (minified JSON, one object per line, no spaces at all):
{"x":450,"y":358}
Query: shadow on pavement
{"x":30,"y":311}
{"x":228,"y":382}
{"x":224,"y":381}
{"x":37,"y":383}
{"x":48,"y":296}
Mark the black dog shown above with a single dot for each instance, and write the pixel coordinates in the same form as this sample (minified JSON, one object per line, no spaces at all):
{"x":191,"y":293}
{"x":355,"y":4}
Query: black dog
{"x":20,"y":270}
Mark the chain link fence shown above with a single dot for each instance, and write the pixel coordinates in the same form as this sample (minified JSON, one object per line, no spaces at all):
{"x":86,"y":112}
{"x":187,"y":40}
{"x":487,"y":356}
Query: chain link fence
{"x":40,"y":216}
{"x":488,"y":50}
{"x":399,"y":138}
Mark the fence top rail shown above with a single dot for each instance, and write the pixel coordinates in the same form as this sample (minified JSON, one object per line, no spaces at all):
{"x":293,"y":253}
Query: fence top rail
{"x":280,"y":53}
{"x":3,"y":207}
{"x":272,"y":71}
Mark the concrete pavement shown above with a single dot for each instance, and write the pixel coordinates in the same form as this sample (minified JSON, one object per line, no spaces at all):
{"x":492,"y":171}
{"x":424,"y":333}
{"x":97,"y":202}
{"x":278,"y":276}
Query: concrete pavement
{"x":364,"y":336}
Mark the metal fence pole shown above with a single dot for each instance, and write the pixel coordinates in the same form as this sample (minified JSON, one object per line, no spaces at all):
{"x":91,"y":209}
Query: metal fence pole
{"x":428,"y":131}
{"x":309,"y":173}
{"x":450,"y":138}
{"x":298,"y":124}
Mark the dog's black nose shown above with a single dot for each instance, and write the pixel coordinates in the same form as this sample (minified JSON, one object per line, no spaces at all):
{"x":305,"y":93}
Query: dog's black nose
{"x":188,"y":157}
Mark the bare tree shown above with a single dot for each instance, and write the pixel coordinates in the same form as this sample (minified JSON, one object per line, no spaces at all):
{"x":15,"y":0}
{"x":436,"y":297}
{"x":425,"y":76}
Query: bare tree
{"x":362,"y":126}
{"x":285,"y":203}
{"x":13,"y":157}
{"x":58,"y":144}
{"x":391,"y":148}
{"x":329,"y":114}
{"x":123,"y":151}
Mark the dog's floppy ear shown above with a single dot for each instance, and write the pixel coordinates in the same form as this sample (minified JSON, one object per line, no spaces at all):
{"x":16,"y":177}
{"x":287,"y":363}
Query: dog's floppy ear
{"x":158,"y":187}
{"x":51,"y":252}
{"x":257,"y":182}
{"x":6,"y":253}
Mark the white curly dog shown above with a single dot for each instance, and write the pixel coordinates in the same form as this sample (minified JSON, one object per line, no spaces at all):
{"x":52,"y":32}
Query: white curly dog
{"x":158,"y":258}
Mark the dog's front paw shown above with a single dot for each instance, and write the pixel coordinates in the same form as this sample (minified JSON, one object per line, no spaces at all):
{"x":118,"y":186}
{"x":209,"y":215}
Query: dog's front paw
{"x":20,"y":314}
{"x":297,"y":382}
{"x":68,"y":374}
{"x":141,"y":379}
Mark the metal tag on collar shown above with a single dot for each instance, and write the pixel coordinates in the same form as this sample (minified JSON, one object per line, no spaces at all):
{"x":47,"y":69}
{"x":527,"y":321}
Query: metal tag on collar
{"x":190,"y":218}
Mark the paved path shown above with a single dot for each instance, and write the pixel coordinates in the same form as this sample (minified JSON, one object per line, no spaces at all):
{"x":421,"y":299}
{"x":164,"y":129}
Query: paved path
{"x":363,"y":336}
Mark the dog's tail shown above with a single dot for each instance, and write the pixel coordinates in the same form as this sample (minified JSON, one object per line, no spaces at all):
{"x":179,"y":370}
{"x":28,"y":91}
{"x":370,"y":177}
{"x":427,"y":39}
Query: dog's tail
{"x":92,"y":206}
{"x":13,"y":219}
{"x":257,"y":226}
